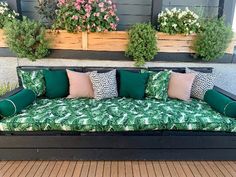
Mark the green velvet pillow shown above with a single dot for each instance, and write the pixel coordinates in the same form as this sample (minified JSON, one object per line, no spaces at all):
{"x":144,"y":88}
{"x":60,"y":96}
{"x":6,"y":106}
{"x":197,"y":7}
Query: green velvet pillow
{"x":221,"y":103}
{"x":57,"y":84}
{"x":33,"y":80}
{"x":157,"y":86}
{"x":132,"y":85}
{"x":16,"y":103}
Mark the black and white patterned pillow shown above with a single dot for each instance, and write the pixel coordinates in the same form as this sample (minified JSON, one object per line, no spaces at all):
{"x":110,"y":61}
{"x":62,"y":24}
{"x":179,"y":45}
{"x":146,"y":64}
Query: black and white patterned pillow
{"x":201,"y":83}
{"x":104,"y":84}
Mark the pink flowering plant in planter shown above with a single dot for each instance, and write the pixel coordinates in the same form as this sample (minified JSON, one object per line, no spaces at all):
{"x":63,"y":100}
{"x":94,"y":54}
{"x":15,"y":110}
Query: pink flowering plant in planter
{"x":86,"y":15}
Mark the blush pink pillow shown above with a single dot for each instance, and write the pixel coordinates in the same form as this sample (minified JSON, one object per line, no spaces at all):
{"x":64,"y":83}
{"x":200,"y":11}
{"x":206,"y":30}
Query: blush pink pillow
{"x":180,"y":86}
{"x":80,"y":85}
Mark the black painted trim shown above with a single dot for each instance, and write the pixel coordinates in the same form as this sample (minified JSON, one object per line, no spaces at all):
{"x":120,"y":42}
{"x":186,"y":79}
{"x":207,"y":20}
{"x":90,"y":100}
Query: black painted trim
{"x":221,"y":8}
{"x":118,"y":147}
{"x":120,"y":56}
{"x":230,"y":95}
{"x":156,"y":9}
{"x":13,"y":92}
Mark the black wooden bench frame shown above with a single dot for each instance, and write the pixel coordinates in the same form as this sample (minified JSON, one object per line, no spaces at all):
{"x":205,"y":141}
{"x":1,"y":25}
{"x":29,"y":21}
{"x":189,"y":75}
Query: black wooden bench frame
{"x":146,"y":145}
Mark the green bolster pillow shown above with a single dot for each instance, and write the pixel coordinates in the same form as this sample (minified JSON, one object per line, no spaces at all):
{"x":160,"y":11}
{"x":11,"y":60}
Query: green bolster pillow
{"x":16,"y":103}
{"x":221,"y":103}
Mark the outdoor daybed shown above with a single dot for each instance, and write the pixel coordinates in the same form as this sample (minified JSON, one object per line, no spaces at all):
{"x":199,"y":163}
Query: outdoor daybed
{"x":118,"y":129}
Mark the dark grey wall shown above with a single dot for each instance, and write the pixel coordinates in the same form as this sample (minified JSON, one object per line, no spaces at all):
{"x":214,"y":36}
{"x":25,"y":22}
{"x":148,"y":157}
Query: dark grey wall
{"x":208,"y":8}
{"x":129,"y":11}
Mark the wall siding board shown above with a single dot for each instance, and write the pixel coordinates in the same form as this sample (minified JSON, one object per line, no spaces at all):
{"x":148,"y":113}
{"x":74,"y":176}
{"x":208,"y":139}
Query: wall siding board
{"x":208,"y":8}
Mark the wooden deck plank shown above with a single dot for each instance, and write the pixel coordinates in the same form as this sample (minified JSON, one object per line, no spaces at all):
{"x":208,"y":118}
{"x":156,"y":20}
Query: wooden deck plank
{"x":19,"y":169}
{"x":172,"y":169}
{"x":215,"y":169}
{"x":48,"y":169}
{"x":78,"y":169}
{"x":34,"y":169}
{"x":201,"y":169}
{"x":179,"y":169}
{"x":56,"y":169}
{"x":136,"y":170}
{"x":2,"y":164}
{"x":233,"y":165}
{"x":6,"y":167}
{"x":143,"y":169}
{"x":186,"y":169}
{"x":157,"y":169}
{"x":70,"y":169}
{"x":165,"y":169}
{"x":85,"y":169}
{"x":193,"y":169}
{"x":10,"y":170}
{"x":107,"y":169}
{"x":223,"y":169}
{"x":208,"y":169}
{"x":118,"y":168}
{"x":121,"y":172}
{"x":42,"y":168}
{"x":150,"y":169}
{"x":128,"y":169}
{"x":92,"y":169}
{"x":63,"y":169}
{"x":100,"y":168}
{"x":229,"y":168}
{"x":26,"y":169}
{"x":114,"y":169}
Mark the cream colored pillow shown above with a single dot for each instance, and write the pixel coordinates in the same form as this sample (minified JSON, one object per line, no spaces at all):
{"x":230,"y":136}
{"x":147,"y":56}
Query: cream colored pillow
{"x":180,"y":85}
{"x":80,"y":85}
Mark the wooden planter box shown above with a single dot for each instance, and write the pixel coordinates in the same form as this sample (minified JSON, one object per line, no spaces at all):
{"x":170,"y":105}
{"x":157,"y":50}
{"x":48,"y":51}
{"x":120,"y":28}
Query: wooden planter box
{"x":115,"y":41}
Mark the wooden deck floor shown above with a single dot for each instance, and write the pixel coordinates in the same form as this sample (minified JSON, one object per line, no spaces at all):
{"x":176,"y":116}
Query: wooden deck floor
{"x":117,"y":169}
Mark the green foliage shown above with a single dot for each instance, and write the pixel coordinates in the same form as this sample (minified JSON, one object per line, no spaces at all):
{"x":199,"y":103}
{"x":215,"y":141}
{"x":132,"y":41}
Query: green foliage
{"x":7,"y":87}
{"x":178,"y":21}
{"x":213,"y":40}
{"x":6,"y":14}
{"x":26,"y":38}
{"x":47,"y":10}
{"x":142,"y":45}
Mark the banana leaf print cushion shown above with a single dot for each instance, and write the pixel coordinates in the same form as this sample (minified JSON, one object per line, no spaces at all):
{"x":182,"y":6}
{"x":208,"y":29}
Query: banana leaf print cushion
{"x":157,"y":86}
{"x":33,"y":80}
{"x":118,"y":114}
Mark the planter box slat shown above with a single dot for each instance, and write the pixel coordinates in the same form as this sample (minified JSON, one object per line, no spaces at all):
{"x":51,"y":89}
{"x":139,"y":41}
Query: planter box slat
{"x":64,"y":40}
{"x":2,"y":39}
{"x":116,"y":41}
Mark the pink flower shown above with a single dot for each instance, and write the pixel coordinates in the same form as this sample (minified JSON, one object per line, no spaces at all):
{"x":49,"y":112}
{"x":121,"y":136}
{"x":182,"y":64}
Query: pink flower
{"x":106,"y":17}
{"x":101,"y":4}
{"x":75,"y":17}
{"x":61,"y":2}
{"x":113,"y":26}
{"x":88,"y":8}
{"x":112,"y":13}
{"x":103,"y":9}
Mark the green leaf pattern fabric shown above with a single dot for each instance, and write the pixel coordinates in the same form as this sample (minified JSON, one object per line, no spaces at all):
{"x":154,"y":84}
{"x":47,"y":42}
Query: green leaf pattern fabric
{"x":157,"y":86}
{"x":33,"y":80}
{"x":118,"y":114}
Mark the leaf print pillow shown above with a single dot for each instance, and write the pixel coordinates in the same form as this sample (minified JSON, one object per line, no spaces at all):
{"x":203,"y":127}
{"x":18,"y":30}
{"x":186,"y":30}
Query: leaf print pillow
{"x":33,"y":80}
{"x":157,"y":86}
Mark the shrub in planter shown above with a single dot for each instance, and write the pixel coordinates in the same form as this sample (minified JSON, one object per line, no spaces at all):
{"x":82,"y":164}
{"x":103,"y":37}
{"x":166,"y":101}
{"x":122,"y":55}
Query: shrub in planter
{"x":213,"y":39}
{"x":178,"y":21}
{"x":86,"y":15}
{"x":47,"y":11}
{"x":26,"y":38}
{"x":6,"y":14}
{"x":142,"y":44}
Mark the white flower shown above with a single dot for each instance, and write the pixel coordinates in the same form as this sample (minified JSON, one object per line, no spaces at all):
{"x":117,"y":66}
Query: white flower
{"x":187,"y":9}
{"x":174,"y":9}
{"x":174,"y":25}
